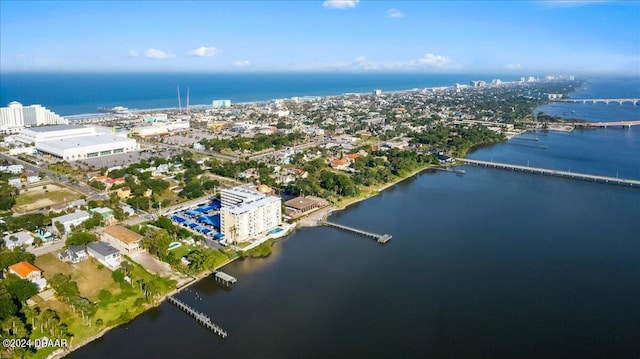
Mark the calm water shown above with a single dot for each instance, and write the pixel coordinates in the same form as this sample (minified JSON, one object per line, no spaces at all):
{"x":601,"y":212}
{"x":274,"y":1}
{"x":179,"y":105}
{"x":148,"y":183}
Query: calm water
{"x":490,"y":265}
{"x":600,"y":88}
{"x":69,"y":94}
{"x":493,"y":264}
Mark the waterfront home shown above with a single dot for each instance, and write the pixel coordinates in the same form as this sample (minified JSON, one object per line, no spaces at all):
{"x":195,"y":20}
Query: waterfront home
{"x":105,"y":254}
{"x":19,"y":239}
{"x":74,"y":254}
{"x":28,"y":271}
{"x":123,"y":239}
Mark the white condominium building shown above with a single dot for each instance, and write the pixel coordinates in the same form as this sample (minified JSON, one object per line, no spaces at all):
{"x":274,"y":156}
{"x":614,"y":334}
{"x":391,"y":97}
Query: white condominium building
{"x":249,"y":214}
{"x":236,"y":195}
{"x":15,"y":116}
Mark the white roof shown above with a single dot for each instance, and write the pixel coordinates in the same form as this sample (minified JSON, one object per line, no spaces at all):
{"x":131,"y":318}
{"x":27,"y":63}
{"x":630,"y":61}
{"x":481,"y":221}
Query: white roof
{"x":246,"y":206}
{"x":85,"y":141}
{"x":71,"y":217}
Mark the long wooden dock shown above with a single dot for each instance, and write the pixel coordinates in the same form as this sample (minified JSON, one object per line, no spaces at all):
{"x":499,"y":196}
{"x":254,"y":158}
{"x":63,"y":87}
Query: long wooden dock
{"x":548,"y":172}
{"x":381,"y":238}
{"x":201,"y":318}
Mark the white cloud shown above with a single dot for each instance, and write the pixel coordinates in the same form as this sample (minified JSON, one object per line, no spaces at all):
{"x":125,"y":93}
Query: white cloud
{"x":513,"y":67}
{"x":394,"y":13}
{"x":133,"y":53}
{"x":241,"y":63}
{"x":204,"y":52}
{"x":340,"y":4}
{"x":158,"y":54}
{"x":432,"y":60}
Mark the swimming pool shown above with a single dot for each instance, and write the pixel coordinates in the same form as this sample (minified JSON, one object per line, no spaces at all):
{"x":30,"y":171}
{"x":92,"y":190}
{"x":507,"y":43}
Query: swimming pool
{"x":174,"y":245}
{"x":276,"y":230}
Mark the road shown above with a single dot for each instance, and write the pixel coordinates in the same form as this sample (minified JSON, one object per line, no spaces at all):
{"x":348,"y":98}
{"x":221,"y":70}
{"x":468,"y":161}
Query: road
{"x":90,"y":192}
{"x":47,"y":248}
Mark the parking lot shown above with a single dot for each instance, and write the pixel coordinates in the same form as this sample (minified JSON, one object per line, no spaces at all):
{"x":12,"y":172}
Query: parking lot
{"x":203,"y":219}
{"x":124,"y":159}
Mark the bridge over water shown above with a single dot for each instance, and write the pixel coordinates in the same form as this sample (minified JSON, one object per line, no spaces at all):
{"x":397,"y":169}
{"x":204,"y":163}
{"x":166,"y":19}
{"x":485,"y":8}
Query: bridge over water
{"x":634,"y":101}
{"x":554,"y":173}
{"x":626,"y":124}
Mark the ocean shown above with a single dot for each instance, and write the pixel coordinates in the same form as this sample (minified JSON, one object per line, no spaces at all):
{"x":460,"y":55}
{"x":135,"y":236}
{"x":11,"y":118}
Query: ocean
{"x":492,"y":264}
{"x":73,"y":94}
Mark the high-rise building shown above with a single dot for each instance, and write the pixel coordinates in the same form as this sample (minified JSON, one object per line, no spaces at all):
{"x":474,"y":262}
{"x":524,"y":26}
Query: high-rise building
{"x":221,"y":103}
{"x":15,"y":117}
{"x":245,"y":214}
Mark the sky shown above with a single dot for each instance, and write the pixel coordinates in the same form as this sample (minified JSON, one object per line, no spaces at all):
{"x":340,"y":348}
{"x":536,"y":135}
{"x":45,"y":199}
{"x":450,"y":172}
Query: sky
{"x":321,"y":36}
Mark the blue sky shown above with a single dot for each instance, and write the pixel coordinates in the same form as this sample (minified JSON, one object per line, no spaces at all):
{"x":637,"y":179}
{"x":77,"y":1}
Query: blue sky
{"x":315,"y":36}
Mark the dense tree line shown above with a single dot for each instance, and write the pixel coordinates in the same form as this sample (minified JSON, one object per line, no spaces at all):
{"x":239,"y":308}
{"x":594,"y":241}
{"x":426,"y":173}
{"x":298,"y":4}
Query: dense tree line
{"x":256,"y":143}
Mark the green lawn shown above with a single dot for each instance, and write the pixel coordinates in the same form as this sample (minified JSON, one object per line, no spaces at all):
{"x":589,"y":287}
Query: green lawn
{"x":124,"y":304}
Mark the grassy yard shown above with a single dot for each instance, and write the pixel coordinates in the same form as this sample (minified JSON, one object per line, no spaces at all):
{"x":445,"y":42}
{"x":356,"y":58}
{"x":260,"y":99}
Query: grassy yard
{"x":38,"y":197}
{"x":122,"y":305}
{"x":183,"y":250}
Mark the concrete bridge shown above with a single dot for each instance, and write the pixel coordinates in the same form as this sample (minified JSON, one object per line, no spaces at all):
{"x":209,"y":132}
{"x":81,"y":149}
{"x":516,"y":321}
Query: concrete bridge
{"x":554,"y":173}
{"x":626,"y":124}
{"x":634,"y":101}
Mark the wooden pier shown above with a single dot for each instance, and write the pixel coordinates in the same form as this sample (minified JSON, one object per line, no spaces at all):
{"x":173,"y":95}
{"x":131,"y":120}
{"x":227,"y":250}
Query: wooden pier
{"x":381,"y":238}
{"x":201,"y":318}
{"x":554,"y":173}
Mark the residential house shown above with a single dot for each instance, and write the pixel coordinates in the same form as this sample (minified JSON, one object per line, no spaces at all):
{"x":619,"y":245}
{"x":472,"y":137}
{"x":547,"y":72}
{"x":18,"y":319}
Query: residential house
{"x":340,"y":164}
{"x":15,"y":181}
{"x":105,"y":254}
{"x":74,"y":254}
{"x":33,"y":178}
{"x":19,"y":239}
{"x":71,"y":219}
{"x":124,"y":192}
{"x":28,"y":271}
{"x":106,"y":213}
{"x":123,"y":239}
{"x":114,"y":181}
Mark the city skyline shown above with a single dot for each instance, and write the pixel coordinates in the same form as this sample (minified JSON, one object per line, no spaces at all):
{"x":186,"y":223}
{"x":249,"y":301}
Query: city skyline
{"x":321,"y":36}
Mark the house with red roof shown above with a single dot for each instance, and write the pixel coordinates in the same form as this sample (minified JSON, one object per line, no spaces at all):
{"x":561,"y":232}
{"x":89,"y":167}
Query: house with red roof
{"x":30,"y":272}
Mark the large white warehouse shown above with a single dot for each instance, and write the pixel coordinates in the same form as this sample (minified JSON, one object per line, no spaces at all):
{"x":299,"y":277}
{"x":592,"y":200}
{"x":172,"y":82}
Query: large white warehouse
{"x":76,"y":142}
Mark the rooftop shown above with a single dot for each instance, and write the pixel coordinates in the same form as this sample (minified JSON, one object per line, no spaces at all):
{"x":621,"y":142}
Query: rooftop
{"x":71,"y":216}
{"x":246,"y":206}
{"x":82,"y":141}
{"x":23,"y":269}
{"x":123,"y":234}
{"x":56,"y":128}
{"x":102,"y":248}
{"x":301,"y":202}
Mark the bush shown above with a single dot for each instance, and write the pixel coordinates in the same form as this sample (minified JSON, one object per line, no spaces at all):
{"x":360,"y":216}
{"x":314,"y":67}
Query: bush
{"x":105,"y":295}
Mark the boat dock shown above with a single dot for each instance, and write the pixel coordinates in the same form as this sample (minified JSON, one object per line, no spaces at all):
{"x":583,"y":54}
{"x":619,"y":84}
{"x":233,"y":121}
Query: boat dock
{"x":201,"y":318}
{"x":224,"y":278}
{"x":381,"y":238}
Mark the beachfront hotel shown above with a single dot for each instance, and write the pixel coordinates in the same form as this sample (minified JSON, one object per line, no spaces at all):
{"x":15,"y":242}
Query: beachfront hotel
{"x":247,"y":214}
{"x":15,"y":117}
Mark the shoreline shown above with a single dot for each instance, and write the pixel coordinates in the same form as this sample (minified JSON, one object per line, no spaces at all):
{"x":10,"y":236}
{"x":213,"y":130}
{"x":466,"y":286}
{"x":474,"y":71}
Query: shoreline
{"x":63,"y":352}
{"x":77,"y":116}
{"x":312,"y":220}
